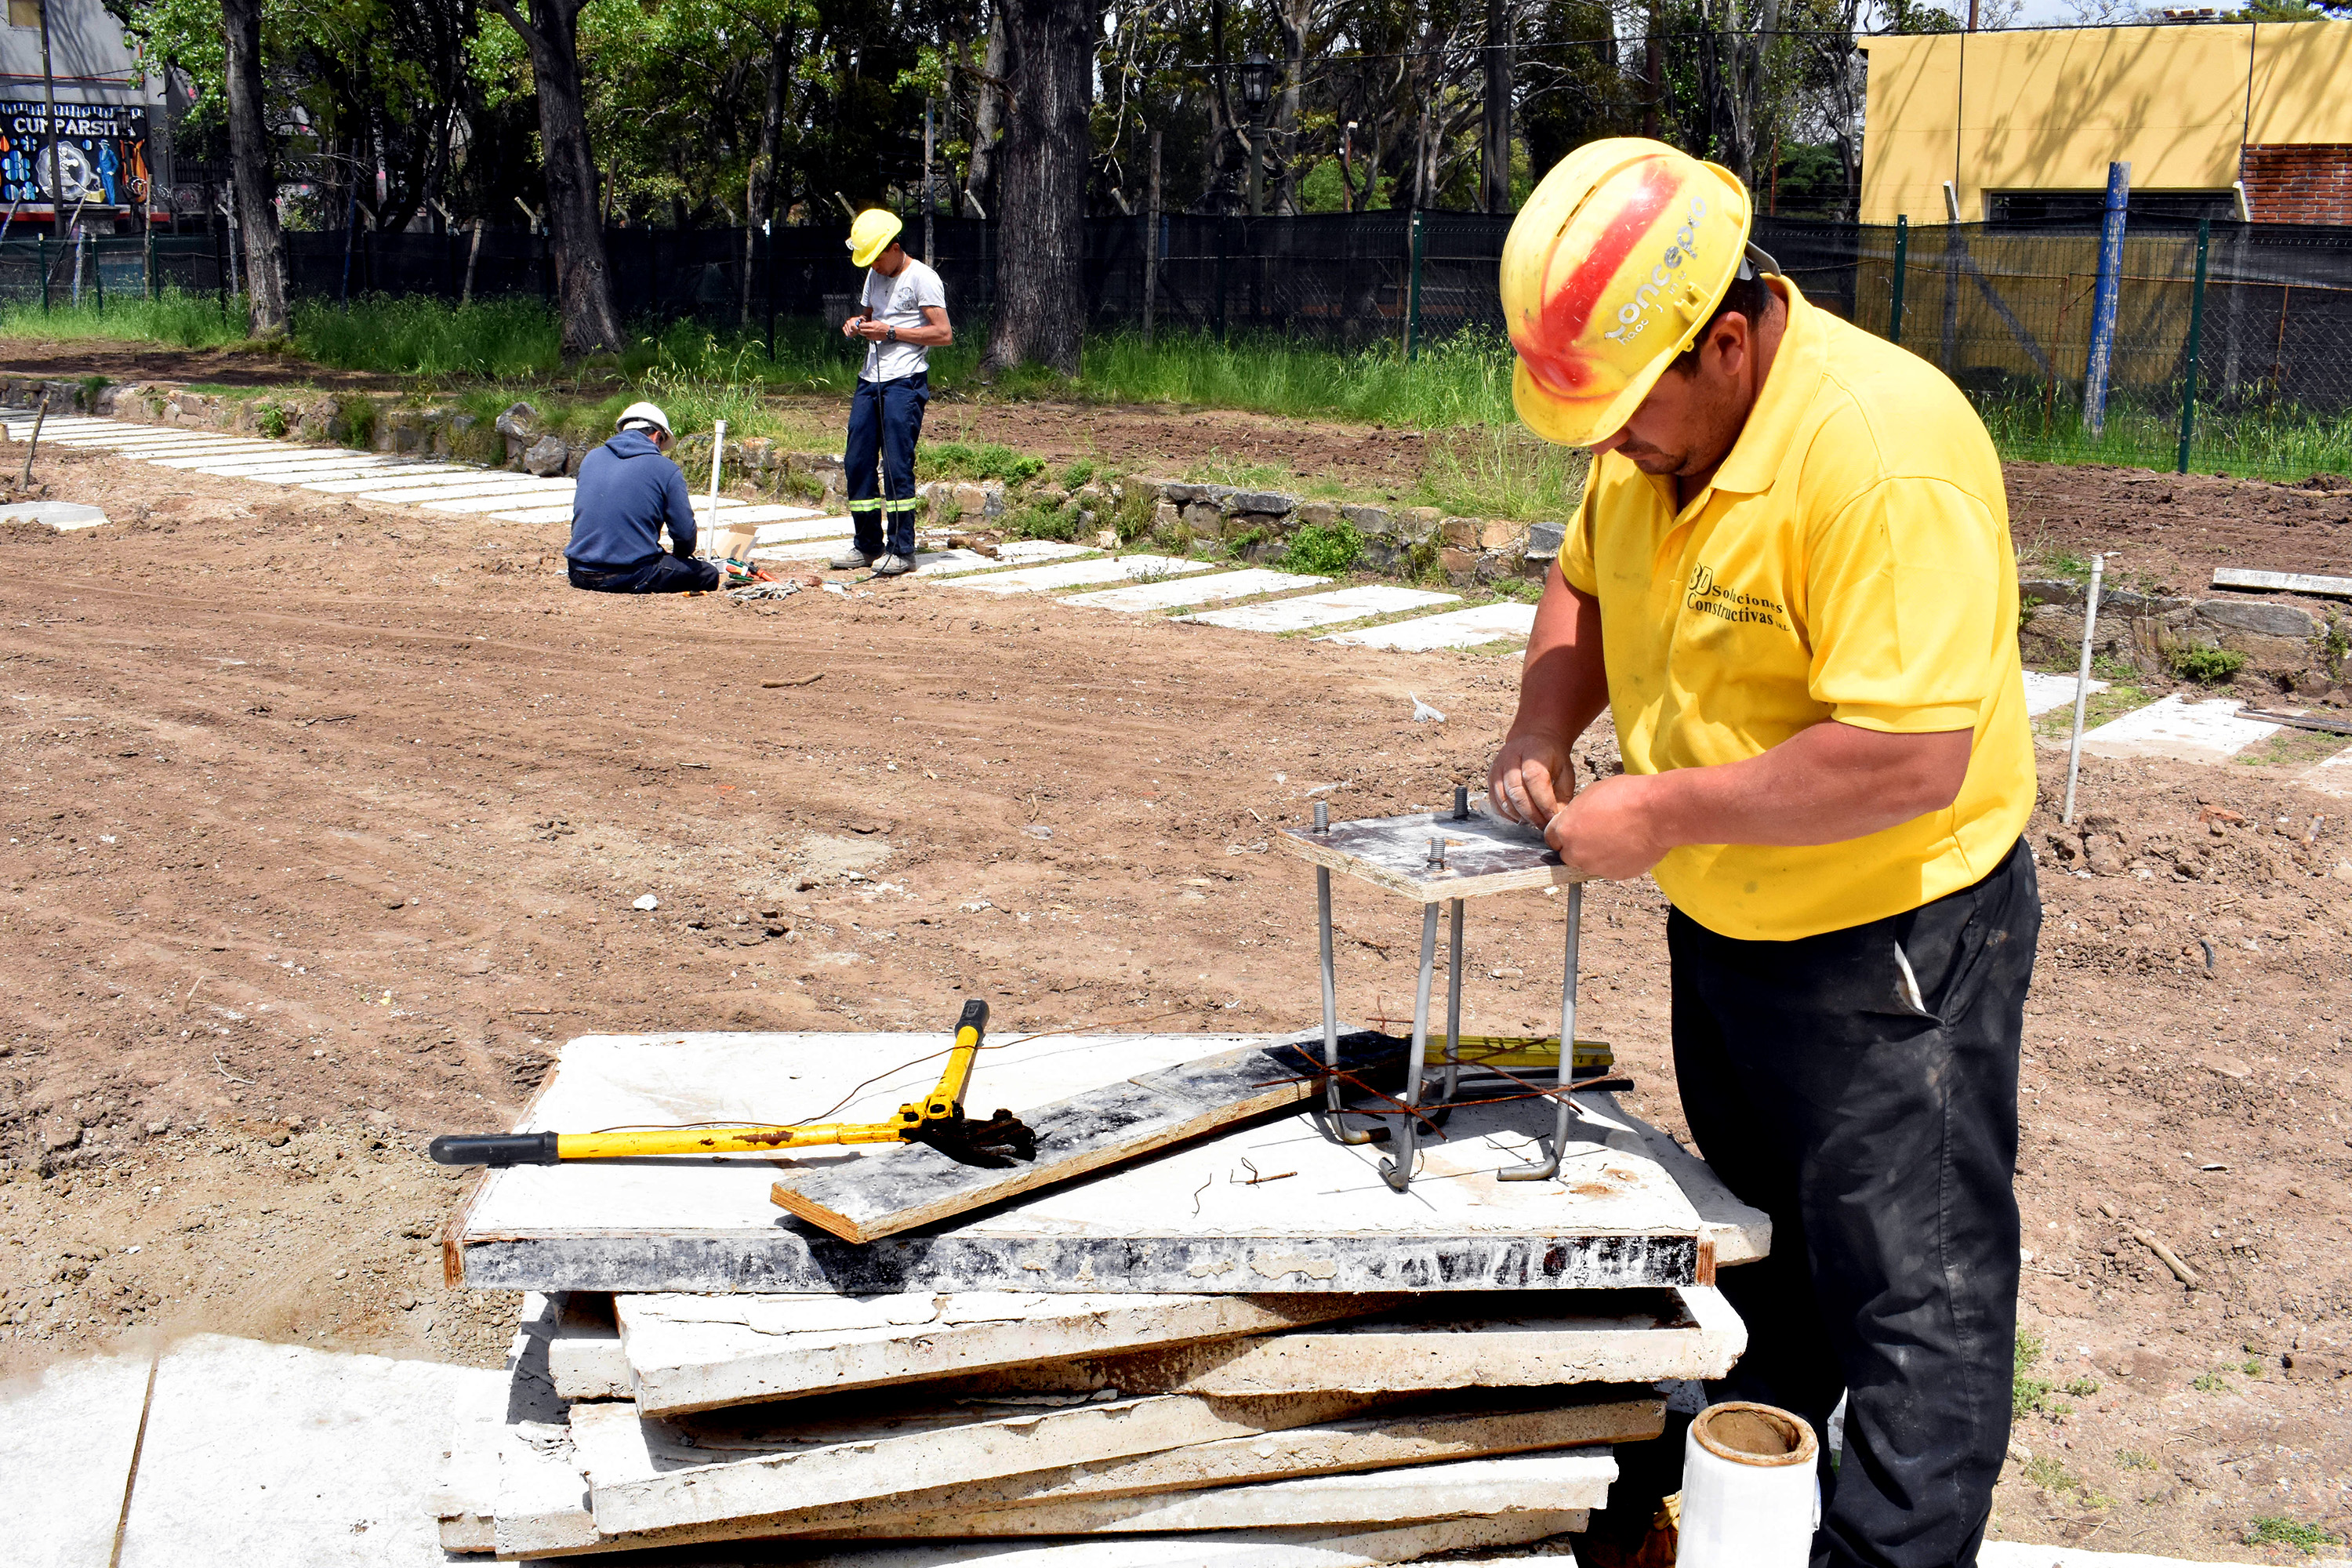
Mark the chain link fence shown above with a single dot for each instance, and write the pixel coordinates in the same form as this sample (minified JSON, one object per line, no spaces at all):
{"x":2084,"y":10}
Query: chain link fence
{"x":2231,"y":346}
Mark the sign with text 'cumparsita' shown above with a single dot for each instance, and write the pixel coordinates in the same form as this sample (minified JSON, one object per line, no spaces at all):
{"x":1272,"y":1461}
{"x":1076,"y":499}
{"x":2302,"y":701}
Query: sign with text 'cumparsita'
{"x":102,"y":154}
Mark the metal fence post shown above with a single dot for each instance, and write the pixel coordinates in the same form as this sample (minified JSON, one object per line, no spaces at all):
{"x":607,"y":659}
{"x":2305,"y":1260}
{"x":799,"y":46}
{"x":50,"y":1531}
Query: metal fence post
{"x":1151,"y":241}
{"x":43,"y":243}
{"x":1894,"y":306}
{"x":1412,"y":287}
{"x":2196,"y":331}
{"x":2104,"y":299}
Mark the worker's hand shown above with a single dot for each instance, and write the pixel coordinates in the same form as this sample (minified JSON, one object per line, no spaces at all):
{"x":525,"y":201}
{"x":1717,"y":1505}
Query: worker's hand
{"x":1611,"y":829}
{"x":849,"y":327}
{"x":1531,"y":775}
{"x":872,"y":331}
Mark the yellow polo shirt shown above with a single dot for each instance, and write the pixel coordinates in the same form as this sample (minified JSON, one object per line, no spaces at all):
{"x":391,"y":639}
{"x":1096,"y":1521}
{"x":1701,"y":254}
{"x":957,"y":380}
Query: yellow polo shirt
{"x":1850,"y":560}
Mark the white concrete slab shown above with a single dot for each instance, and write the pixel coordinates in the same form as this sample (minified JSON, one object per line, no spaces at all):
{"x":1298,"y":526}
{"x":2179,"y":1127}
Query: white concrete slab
{"x":158,"y":447}
{"x":2333,"y":776}
{"x":440,"y":478}
{"x":2283,"y":582}
{"x":946,"y":563}
{"x":25,"y":418}
{"x":534,"y":514}
{"x":63,"y":516}
{"x":1147,"y":597}
{"x":259,"y":1453}
{"x":65,"y":1438}
{"x":307,"y":473}
{"x":1070,"y":573}
{"x":2207,"y":731}
{"x":2047,"y":693}
{"x":551,"y":494}
{"x":275,"y":456}
{"x":459,"y":489}
{"x":807,"y":550}
{"x":119,"y":437}
{"x":1456,"y":629}
{"x":777,"y":511}
{"x":1031,"y":551}
{"x":785,"y":531}
{"x":1183,"y":1221}
{"x":190,"y":455}
{"x":1322,"y":609}
{"x":702,"y":503}
{"x":1463,"y":1489}
{"x":2017,"y":1554}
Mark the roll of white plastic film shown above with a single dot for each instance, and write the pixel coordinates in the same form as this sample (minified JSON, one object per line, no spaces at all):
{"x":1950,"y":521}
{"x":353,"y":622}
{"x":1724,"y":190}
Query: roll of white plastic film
{"x":1750,"y":1499}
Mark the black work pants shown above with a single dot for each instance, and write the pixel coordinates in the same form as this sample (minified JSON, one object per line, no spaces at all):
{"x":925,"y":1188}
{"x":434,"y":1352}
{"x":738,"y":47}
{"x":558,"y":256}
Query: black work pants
{"x":886,"y":420}
{"x":662,"y":575}
{"x":1870,"y":1110}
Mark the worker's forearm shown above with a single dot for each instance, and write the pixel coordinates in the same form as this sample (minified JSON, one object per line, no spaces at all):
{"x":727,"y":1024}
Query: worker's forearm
{"x":1825,"y":784}
{"x":1562,"y":685}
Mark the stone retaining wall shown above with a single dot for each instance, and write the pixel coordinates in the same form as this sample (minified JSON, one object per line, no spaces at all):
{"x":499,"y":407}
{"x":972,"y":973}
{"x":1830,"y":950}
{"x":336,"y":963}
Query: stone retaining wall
{"x":2287,"y":646}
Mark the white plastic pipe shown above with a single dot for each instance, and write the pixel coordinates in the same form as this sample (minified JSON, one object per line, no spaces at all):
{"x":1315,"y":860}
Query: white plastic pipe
{"x":710,"y":522}
{"x":1750,"y":1499}
{"x":2082,"y":687}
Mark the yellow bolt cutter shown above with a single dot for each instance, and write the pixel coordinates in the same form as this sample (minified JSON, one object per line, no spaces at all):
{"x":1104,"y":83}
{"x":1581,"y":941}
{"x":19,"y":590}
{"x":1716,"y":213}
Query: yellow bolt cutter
{"x":938,"y":1121}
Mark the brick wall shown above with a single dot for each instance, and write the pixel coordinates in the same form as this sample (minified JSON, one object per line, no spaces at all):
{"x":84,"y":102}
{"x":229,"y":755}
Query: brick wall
{"x":2305,"y":183}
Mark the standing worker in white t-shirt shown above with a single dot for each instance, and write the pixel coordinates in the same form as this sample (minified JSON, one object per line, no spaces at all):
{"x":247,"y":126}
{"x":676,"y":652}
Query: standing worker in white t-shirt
{"x":905,"y":317}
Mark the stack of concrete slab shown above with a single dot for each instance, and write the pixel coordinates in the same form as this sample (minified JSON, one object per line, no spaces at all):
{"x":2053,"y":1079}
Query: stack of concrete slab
{"x":1240,"y":1348}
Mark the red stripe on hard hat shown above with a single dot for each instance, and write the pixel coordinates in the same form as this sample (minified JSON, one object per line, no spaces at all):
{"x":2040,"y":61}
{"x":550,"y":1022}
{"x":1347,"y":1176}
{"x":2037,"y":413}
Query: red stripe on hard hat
{"x":1554,"y":361}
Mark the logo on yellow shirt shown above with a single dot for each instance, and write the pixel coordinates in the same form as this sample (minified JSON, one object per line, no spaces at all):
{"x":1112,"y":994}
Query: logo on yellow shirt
{"x":1710,"y":597}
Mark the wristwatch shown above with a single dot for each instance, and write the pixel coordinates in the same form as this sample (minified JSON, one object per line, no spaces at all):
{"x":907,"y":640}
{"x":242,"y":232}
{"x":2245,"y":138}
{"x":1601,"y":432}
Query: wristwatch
{"x":894,"y":334}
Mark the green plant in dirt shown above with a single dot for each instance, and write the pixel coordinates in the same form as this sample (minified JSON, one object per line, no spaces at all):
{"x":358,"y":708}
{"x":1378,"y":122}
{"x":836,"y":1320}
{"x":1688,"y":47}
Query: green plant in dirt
{"x":1172,"y":539}
{"x":2272,"y":1530}
{"x":1239,"y":545}
{"x":2251,"y":1367}
{"x":1077,"y":473}
{"x":354,"y":422}
{"x":2133,"y":1459}
{"x":1324,"y":548}
{"x":1527,"y":589}
{"x":2082,"y":1387}
{"x":2335,"y":642}
{"x":1133,"y":514}
{"x":2049,"y":1475}
{"x":91,"y":385}
{"x":1043,"y":520}
{"x":2031,"y":1395}
{"x":1418,"y":562}
{"x":269,"y":418}
{"x":2210,"y":666}
{"x":2211,"y":1382}
{"x":975,"y":460}
{"x":2026,"y":605}
{"x":177,"y":317}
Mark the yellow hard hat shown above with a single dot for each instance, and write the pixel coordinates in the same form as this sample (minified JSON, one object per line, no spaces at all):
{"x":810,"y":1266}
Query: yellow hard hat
{"x":1615,"y":263}
{"x":871,"y":234}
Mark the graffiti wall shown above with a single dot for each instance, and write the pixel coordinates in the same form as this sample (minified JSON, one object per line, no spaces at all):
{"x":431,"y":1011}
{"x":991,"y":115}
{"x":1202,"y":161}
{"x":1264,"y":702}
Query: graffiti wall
{"x":102,"y":154}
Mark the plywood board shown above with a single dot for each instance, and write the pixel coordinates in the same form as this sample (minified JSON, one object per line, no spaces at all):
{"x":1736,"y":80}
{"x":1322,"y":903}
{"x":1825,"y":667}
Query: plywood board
{"x":1456,"y":628}
{"x":890,"y":1188}
{"x":1503,"y":1339}
{"x":688,"y":1352}
{"x":1350,"y":1546}
{"x":2283,"y":582}
{"x":1330,"y":609}
{"x":1147,"y":597}
{"x":648,"y":1473}
{"x":1461,"y":1489}
{"x":1184,"y":1222}
{"x":1483,"y":853}
{"x":1072,"y":574}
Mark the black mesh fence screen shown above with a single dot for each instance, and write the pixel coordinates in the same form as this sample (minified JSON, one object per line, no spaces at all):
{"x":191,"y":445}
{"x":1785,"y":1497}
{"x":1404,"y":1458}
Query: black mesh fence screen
{"x":2006,"y":309}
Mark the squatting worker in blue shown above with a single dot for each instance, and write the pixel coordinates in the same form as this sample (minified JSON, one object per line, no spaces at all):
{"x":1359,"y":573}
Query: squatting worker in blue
{"x":905,"y":316}
{"x":629,"y":491}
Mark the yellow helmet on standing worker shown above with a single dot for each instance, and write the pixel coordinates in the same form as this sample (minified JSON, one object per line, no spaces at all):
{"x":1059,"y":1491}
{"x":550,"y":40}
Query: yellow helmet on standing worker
{"x":870,"y":234}
{"x":1612,"y":266}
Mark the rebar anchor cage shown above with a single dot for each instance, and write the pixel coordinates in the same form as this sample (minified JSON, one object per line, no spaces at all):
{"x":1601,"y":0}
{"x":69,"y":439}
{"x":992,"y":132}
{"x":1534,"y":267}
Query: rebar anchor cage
{"x":1436,"y":859}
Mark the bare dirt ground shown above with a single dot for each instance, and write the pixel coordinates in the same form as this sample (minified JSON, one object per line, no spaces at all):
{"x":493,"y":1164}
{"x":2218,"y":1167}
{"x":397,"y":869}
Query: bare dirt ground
{"x":324,"y":823}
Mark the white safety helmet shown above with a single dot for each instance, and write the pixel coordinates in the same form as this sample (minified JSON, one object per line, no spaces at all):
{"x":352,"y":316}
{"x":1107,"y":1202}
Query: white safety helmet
{"x":641,"y":415}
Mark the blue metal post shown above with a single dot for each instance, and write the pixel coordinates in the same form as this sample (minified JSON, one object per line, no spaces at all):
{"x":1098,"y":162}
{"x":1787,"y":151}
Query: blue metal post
{"x":1902,"y":257}
{"x":2103,"y":302}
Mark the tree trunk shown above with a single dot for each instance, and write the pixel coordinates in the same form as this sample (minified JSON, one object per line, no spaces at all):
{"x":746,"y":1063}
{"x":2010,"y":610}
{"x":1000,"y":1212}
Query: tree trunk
{"x":583,"y":287}
{"x":1041,"y":187}
{"x":249,"y":159}
{"x":979,"y":173}
{"x":1494,"y":160}
{"x":1292,"y":18}
{"x":759,"y":196}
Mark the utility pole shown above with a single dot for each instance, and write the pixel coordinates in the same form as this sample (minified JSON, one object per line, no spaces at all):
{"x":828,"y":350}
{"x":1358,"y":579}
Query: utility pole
{"x":49,"y":125}
{"x":1496,"y":153}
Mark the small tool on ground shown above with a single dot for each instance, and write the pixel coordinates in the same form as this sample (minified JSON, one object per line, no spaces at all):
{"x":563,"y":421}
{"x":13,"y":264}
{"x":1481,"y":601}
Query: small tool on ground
{"x":938,"y":1121}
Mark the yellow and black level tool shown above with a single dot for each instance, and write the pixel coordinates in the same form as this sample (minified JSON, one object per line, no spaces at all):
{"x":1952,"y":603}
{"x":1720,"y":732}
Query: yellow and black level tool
{"x":1516,"y":1051}
{"x":938,"y":1121}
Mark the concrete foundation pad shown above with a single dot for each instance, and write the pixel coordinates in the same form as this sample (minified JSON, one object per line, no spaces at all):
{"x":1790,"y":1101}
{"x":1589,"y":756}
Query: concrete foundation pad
{"x":73,"y":1427}
{"x":62,"y":516}
{"x":786,"y":530}
{"x":1071,"y":573}
{"x":806,"y":549}
{"x":1629,"y":1207}
{"x":2048,"y":693}
{"x":1033,"y":552}
{"x":647,"y":1473}
{"x":163,"y":451}
{"x":259,"y":465}
{"x":2207,"y":731}
{"x":439,"y":477}
{"x":949,"y":563}
{"x":1147,"y":597}
{"x":765,"y":512}
{"x":685,"y":1353}
{"x":584,"y":1357}
{"x":458,"y":489}
{"x":1456,"y":629}
{"x":1330,"y":609}
{"x":546,"y":495}
{"x":533,"y":514}
{"x":1463,"y":1489}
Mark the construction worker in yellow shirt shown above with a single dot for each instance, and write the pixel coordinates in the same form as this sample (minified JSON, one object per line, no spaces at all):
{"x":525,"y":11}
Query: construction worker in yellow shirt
{"x":1790,"y":583}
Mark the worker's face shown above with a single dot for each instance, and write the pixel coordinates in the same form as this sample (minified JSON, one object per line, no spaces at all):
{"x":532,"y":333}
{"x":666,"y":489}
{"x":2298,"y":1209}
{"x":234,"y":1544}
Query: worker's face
{"x":1688,"y":423}
{"x":892,"y":260}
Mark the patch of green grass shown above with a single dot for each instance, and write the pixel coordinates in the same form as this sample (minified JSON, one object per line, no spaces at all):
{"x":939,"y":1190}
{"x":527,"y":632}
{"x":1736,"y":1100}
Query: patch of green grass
{"x":2210,"y":666}
{"x":2288,"y":749}
{"x":1504,"y":472}
{"x":1464,"y":380}
{"x":1077,"y":473}
{"x":2262,"y":441}
{"x":2270,"y":1530}
{"x":1527,"y":589}
{"x":2120,"y":697}
{"x":1324,"y":548}
{"x":2133,"y":1459}
{"x":1049,"y":518}
{"x":2083,"y":1388}
{"x":2031,"y":1395}
{"x":975,"y":460}
{"x":179,"y":318}
{"x":2211,"y":1382}
{"x":414,"y":335}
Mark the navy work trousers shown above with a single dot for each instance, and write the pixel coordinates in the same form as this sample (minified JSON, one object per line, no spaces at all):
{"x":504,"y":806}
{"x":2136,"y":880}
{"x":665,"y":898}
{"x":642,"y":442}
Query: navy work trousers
{"x":886,"y":419}
{"x":662,"y":575}
{"x":1861,"y":1087}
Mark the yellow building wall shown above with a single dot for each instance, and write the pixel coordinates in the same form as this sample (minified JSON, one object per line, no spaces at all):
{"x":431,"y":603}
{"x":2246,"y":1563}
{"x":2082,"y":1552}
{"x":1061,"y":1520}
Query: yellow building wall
{"x":2048,"y":109}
